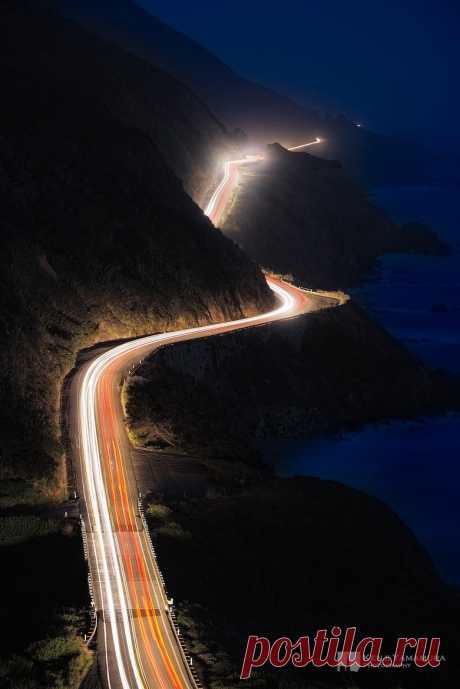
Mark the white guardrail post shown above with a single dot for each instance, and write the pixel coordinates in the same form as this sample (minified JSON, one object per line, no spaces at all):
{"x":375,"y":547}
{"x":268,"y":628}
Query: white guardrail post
{"x":89,"y":636}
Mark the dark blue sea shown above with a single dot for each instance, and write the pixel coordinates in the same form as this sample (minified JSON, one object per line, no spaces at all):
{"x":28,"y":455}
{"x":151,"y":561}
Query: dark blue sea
{"x":413,"y":466}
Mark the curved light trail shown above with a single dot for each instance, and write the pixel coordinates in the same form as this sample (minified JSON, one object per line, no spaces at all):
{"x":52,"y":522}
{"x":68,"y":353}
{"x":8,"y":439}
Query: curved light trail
{"x":220,"y":197}
{"x":136,"y":634}
{"x":229,"y":166}
{"x":140,"y":644}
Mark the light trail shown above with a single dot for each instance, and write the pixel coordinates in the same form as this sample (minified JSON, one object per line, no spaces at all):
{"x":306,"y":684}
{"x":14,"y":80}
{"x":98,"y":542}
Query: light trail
{"x":310,"y":143}
{"x":219,"y":198}
{"x":132,"y":596}
{"x":140,"y":645}
{"x":228,"y":167}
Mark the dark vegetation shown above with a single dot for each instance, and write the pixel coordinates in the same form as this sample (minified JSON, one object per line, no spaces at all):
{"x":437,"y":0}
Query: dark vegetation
{"x":286,"y":557}
{"x":245,"y":106}
{"x":99,"y":239}
{"x":44,"y":603}
{"x":296,"y":213}
{"x":330,"y":370}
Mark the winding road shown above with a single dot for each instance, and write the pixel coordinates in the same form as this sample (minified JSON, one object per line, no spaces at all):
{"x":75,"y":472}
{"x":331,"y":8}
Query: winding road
{"x":221,"y":196}
{"x":137,"y":640}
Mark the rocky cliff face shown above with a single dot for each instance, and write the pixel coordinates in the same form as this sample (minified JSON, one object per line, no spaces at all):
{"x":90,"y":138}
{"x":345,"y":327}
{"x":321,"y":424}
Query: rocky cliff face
{"x":99,"y":239}
{"x":295,"y":213}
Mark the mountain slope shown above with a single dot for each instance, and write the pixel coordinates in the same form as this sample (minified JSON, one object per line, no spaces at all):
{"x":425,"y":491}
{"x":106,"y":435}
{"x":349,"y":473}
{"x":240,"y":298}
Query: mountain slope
{"x":99,"y":239}
{"x":265,"y":115}
{"x":189,"y":137}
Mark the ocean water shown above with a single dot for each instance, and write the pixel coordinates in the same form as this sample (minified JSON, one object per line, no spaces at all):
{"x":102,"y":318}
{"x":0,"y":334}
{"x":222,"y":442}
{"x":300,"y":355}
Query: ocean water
{"x":417,"y":298}
{"x":412,"y":466}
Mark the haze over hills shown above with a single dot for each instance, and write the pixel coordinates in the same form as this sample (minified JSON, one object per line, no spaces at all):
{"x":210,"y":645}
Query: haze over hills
{"x":241,"y":104}
{"x":99,"y":238}
{"x":186,"y":133}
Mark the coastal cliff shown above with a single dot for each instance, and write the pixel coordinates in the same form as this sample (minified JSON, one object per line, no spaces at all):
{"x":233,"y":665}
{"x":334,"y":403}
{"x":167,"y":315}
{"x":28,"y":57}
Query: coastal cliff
{"x":296,"y":213}
{"x":286,"y":557}
{"x":322,"y":372}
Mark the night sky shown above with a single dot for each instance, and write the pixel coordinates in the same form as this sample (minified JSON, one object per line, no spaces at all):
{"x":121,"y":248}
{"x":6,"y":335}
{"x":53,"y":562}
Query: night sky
{"x":392,"y":65}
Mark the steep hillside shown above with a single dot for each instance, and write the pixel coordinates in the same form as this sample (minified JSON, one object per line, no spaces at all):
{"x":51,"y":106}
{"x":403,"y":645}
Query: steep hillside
{"x":99,"y":239}
{"x":138,"y":95}
{"x":288,"y":557}
{"x":296,"y":213}
{"x":265,"y":115}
